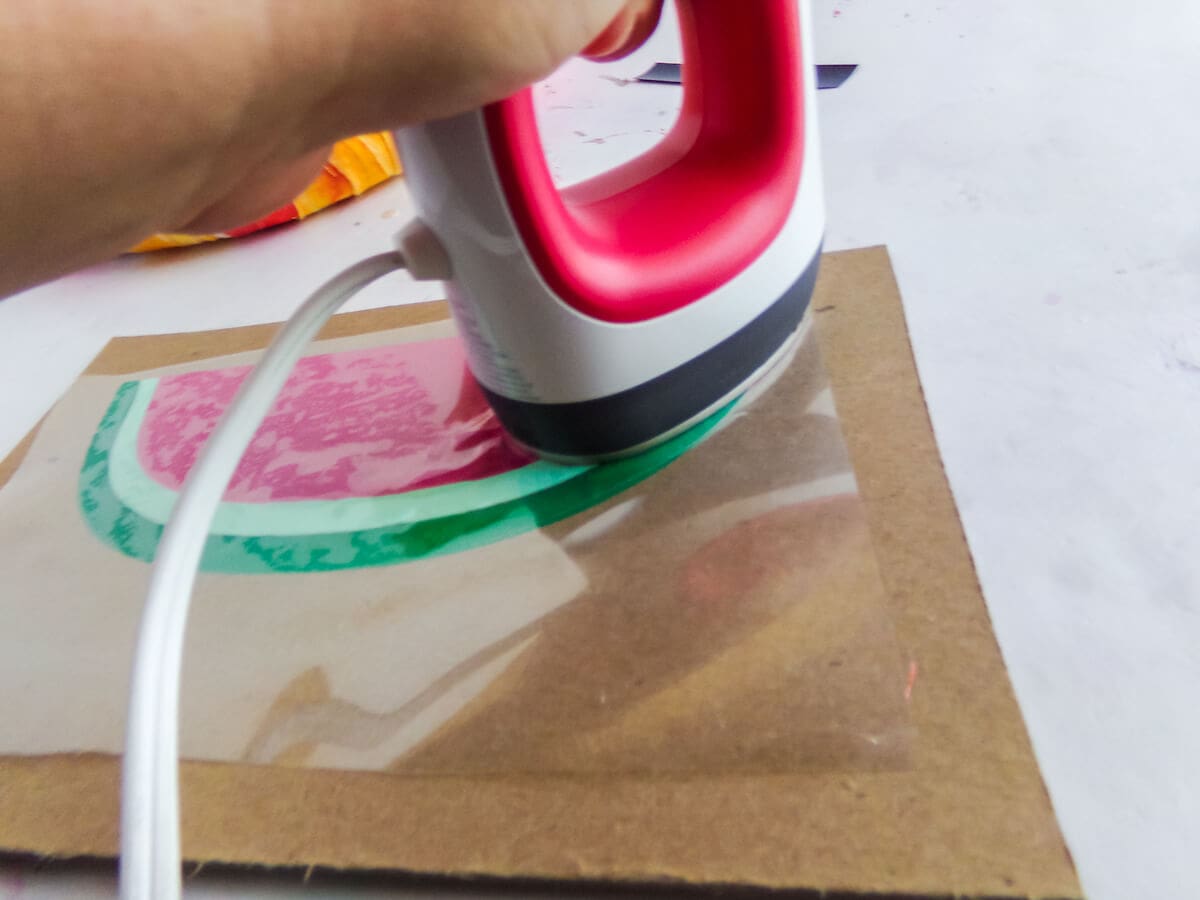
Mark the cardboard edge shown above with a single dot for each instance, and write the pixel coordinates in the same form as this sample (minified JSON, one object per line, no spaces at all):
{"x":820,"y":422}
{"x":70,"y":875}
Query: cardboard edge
{"x":52,"y":815}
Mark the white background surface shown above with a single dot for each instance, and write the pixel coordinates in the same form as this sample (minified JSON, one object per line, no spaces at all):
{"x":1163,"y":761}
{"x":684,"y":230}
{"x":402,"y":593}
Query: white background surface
{"x":1034,"y":170}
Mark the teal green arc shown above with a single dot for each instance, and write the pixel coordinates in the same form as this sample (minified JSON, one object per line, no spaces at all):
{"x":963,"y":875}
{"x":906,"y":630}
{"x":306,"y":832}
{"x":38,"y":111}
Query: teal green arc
{"x":137,"y":536}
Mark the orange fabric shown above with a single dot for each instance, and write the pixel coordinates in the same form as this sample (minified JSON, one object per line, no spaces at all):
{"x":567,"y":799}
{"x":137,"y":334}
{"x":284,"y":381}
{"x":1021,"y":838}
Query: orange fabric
{"x":167,"y":241}
{"x":355,"y":165}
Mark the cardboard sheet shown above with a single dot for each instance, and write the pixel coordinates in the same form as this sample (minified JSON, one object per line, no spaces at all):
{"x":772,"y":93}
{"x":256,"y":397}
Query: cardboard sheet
{"x":961,"y":811}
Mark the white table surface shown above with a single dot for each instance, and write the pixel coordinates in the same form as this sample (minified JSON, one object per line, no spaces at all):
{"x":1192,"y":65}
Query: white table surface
{"x":1035,"y":171}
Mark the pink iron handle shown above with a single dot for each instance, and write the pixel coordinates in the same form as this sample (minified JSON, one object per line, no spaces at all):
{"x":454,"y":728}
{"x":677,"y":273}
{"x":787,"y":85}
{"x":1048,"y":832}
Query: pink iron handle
{"x":669,"y":227}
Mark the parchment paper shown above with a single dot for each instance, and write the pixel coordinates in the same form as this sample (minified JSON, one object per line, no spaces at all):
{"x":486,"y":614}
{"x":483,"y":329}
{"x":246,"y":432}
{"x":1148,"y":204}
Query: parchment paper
{"x":725,"y":614}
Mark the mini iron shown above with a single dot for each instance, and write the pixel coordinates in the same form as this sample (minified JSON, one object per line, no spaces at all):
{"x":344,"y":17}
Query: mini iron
{"x":612,"y":314}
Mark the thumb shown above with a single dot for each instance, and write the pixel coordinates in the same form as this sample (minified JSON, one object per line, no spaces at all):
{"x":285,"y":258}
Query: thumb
{"x":414,"y":60}
{"x":626,"y":32}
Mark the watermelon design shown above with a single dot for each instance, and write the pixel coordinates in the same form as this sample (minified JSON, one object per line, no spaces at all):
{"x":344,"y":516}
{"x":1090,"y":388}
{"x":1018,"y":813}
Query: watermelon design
{"x":369,"y":457}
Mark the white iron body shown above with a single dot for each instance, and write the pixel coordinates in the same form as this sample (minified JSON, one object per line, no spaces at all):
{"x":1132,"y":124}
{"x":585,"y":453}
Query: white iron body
{"x":537,"y":354}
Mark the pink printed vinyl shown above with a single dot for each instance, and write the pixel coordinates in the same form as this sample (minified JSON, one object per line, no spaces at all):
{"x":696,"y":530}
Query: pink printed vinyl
{"x":362,"y":423}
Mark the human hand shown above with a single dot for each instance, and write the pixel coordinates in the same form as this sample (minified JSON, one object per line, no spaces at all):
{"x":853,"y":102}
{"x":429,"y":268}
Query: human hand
{"x":141,"y":116}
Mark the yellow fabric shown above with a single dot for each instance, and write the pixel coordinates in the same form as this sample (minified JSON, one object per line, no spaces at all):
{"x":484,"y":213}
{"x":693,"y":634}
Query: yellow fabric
{"x":355,"y":165}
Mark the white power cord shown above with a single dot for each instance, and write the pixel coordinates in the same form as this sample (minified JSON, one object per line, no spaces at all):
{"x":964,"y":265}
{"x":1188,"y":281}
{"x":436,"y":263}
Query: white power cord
{"x":150,"y":851}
